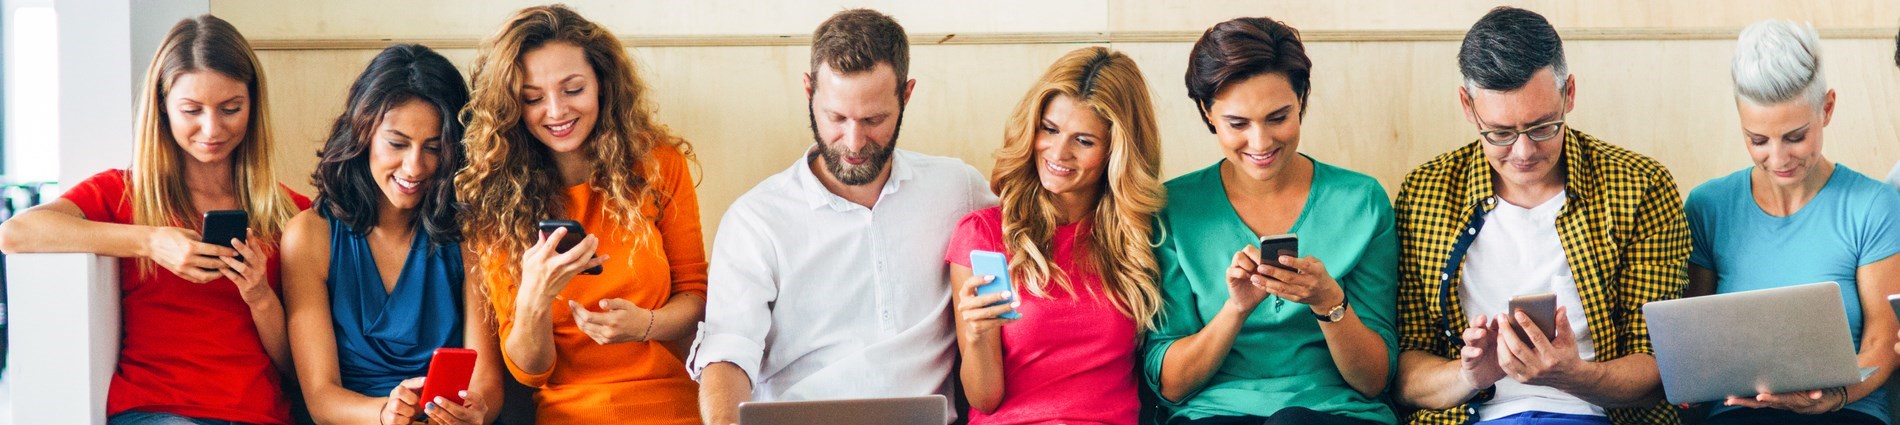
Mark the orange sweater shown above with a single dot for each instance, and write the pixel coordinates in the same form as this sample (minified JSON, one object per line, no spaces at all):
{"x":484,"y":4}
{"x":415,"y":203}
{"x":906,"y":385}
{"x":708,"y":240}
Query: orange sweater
{"x":635,"y":382}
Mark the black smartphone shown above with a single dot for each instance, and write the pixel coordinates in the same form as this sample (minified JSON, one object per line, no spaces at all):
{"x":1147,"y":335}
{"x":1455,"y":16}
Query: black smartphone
{"x":221,"y":226}
{"x":1542,"y":308}
{"x":1272,"y":247}
{"x":575,"y":233}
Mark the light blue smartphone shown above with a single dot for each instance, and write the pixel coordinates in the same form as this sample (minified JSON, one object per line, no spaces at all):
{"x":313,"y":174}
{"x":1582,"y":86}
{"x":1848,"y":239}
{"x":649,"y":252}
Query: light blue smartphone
{"x":986,"y":263}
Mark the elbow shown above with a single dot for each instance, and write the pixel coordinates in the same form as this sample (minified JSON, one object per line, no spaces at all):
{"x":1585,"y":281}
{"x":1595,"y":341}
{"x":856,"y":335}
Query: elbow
{"x":1172,"y":394}
{"x":10,"y":237}
{"x":985,"y":403}
{"x":1371,"y":386}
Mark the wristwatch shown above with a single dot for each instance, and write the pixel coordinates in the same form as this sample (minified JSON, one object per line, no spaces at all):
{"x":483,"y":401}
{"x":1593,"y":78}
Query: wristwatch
{"x":1334,"y":315}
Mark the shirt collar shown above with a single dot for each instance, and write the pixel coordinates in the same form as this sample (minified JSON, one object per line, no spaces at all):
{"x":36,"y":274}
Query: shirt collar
{"x":817,"y":196}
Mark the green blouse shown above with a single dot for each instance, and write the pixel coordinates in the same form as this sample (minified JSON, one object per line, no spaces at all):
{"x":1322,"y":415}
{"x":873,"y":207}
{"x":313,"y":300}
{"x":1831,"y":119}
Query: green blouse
{"x":1280,"y":359}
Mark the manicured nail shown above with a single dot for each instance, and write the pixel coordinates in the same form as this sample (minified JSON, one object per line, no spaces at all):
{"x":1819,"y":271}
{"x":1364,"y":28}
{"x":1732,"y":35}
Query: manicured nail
{"x":1005,"y":294}
{"x":428,"y":407}
{"x":988,"y":279}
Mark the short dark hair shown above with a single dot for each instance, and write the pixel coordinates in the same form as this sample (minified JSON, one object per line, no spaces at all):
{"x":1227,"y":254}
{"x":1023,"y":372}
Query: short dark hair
{"x":401,"y":73}
{"x":1508,"y":46}
{"x":856,"y":40}
{"x":1242,"y":48}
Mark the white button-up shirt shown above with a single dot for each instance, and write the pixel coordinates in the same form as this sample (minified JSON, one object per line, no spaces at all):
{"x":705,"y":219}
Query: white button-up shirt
{"x":816,"y":297}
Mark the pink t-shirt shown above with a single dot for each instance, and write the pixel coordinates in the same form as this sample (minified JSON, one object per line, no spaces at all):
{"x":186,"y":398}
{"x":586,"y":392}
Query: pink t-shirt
{"x":1070,"y":359}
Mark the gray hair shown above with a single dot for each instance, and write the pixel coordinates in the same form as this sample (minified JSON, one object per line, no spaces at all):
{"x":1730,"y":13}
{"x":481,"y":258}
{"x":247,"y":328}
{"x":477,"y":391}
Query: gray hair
{"x":1779,"y":61}
{"x":1507,"y":47}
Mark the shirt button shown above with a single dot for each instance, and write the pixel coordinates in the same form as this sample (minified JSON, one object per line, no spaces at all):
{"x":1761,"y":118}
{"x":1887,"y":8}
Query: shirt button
{"x":1471,"y":230}
{"x":1444,"y":277}
{"x":887,"y":315}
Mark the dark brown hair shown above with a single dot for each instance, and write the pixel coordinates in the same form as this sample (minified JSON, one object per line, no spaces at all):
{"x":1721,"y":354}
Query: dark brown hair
{"x":401,"y":73}
{"x":856,"y":40}
{"x":1243,"y":48}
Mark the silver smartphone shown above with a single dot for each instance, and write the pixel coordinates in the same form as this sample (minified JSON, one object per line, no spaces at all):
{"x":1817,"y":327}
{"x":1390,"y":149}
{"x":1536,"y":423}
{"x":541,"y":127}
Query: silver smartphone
{"x":1542,"y":308}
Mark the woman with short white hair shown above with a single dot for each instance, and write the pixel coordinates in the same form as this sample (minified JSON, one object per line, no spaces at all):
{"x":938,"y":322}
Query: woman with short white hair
{"x":1796,"y":217}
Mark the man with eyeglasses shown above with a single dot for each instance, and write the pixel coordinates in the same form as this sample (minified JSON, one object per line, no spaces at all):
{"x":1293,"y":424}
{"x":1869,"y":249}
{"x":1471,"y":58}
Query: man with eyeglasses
{"x":1532,"y":207}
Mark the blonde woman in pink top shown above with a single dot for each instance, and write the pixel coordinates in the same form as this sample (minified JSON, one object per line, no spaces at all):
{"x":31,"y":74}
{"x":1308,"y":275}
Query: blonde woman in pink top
{"x":1078,"y":179}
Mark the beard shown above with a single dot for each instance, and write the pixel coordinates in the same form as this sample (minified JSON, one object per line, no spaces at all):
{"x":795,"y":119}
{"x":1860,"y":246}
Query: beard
{"x":875,"y":156}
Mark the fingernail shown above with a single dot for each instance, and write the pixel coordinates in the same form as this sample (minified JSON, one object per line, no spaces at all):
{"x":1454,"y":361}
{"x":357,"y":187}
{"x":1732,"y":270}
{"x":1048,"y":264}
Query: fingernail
{"x":441,"y":400}
{"x":428,"y":406}
{"x":1005,"y":294}
{"x":463,"y":394}
{"x":988,"y":279}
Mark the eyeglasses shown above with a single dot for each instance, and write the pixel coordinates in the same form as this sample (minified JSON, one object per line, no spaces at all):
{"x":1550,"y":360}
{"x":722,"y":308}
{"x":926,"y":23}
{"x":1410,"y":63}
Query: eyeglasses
{"x":1537,"y":133}
{"x":1508,"y":136}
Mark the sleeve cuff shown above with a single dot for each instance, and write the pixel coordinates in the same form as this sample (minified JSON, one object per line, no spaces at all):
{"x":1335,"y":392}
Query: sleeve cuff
{"x":1157,"y":352}
{"x":531,"y":380}
{"x":710,"y":348}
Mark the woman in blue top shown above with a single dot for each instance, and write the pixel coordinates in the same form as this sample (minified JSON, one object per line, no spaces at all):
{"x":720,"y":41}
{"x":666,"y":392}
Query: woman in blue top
{"x":373,"y":273}
{"x":1797,"y":218}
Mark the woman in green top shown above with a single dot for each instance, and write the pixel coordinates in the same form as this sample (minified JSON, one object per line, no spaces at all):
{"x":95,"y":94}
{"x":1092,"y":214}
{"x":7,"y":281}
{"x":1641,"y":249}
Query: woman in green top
{"x":1242,"y":341}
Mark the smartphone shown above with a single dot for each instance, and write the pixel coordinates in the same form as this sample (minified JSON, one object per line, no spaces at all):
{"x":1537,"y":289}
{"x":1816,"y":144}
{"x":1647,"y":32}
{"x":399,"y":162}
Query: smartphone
{"x":1542,"y":308}
{"x":449,"y":371}
{"x":1272,"y":247}
{"x":574,"y":236}
{"x":221,"y":226}
{"x":989,"y":263}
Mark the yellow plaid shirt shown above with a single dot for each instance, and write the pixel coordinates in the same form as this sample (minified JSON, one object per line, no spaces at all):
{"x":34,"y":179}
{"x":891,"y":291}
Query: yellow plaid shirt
{"x":1622,"y":229}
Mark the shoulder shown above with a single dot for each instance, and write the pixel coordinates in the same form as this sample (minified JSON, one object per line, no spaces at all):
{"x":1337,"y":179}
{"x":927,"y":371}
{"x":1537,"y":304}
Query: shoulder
{"x":776,"y":193}
{"x":110,"y":180}
{"x":302,"y":202}
{"x":987,"y":218}
{"x":1718,"y":189}
{"x":1445,"y":171}
{"x":943,"y":170}
{"x":1620,"y":163}
{"x":306,"y":233}
{"x":1863,"y":191}
{"x":1352,"y":183}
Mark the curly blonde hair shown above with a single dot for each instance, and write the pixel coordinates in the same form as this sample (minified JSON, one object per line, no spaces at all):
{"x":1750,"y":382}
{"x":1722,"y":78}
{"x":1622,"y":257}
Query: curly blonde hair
{"x":511,"y":180}
{"x":1110,"y":84}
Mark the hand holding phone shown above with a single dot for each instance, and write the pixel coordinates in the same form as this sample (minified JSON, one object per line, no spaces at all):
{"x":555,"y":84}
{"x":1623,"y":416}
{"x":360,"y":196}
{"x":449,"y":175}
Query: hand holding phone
{"x":575,"y":233}
{"x":1272,"y":247}
{"x":221,"y":226}
{"x":1542,"y":308}
{"x":989,"y":263}
{"x":449,"y":372}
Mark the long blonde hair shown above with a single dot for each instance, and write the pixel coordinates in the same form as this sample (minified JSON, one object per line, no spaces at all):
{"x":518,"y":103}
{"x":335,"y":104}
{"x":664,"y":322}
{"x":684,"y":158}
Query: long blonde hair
{"x":511,"y":180}
{"x":159,"y":194}
{"x":1112,"y":87}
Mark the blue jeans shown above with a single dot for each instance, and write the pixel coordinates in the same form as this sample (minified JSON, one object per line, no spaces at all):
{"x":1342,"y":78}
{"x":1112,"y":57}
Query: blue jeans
{"x":1547,"y":418}
{"x":133,"y":417}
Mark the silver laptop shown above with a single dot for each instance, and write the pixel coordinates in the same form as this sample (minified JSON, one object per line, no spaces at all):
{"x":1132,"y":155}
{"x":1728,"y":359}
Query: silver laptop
{"x":925,"y":410}
{"x":1740,"y":344}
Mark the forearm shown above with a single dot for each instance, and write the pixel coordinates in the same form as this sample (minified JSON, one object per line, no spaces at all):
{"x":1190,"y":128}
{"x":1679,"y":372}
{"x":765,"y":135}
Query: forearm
{"x":531,"y":337}
{"x":267,"y":314}
{"x":982,"y":371}
{"x":1630,"y":381}
{"x":1359,"y":353}
{"x":722,"y":386}
{"x":1429,"y":381}
{"x":332,"y":404}
{"x":1876,"y":351}
{"x":1191,"y":360}
{"x":39,"y":230}
{"x":678,"y":319}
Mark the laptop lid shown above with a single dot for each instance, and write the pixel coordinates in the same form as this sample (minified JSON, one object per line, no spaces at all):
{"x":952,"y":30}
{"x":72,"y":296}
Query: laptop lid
{"x":1764,"y":341}
{"x":924,"y":410}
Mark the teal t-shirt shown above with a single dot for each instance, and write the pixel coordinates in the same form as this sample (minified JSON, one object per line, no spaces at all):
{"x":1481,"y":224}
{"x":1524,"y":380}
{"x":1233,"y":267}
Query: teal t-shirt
{"x":1280,"y":358}
{"x":1852,"y":222}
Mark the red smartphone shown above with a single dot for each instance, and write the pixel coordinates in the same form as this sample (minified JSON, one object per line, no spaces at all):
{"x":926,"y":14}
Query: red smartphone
{"x":449,"y":372}
{"x":575,"y":233}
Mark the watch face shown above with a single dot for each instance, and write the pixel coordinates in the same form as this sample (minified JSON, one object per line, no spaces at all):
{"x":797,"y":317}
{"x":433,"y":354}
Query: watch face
{"x":1338,"y":314}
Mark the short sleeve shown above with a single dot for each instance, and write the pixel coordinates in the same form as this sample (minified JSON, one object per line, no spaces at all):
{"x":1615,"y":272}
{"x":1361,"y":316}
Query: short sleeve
{"x":1880,"y":233}
{"x":99,"y":197}
{"x":680,"y":231}
{"x":980,"y":230}
{"x":1702,"y":216}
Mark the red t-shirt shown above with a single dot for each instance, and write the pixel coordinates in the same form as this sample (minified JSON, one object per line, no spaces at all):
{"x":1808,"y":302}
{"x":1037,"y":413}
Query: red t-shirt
{"x":186,"y":348}
{"x":1070,"y":359}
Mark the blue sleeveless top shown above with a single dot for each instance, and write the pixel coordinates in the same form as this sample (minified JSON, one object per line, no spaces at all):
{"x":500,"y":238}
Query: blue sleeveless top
{"x":382,"y":337}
